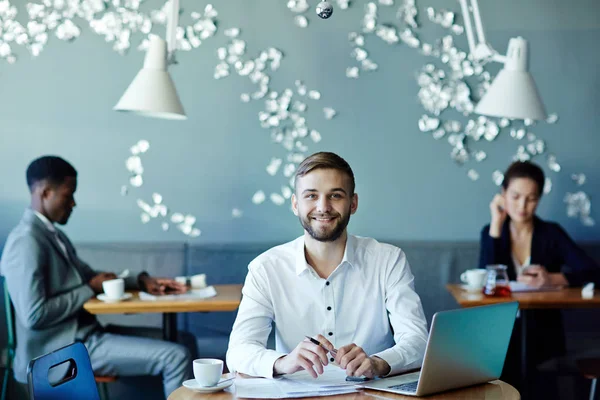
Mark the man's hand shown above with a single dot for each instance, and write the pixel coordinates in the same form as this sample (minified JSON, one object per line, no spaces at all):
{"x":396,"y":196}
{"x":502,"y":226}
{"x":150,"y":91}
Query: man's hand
{"x":161,"y":285}
{"x":307,"y":356}
{"x":355,"y":361}
{"x":96,"y":282}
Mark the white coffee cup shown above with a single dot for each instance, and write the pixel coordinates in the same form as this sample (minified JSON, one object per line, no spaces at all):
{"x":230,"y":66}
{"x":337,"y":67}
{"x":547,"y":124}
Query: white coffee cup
{"x":114,"y":288}
{"x":207,"y":371}
{"x":474,"y":277}
{"x":198,"y":281}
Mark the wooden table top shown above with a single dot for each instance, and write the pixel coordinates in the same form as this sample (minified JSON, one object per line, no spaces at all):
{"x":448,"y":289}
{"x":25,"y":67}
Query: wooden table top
{"x":496,"y":390}
{"x":564,"y":298}
{"x":227,"y":299}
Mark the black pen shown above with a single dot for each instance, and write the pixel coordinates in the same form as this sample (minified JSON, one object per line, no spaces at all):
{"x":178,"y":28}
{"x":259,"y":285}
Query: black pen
{"x":315,"y":341}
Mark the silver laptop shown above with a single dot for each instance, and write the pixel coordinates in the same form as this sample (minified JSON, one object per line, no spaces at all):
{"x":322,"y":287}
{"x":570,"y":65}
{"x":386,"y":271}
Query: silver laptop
{"x":465,"y":347}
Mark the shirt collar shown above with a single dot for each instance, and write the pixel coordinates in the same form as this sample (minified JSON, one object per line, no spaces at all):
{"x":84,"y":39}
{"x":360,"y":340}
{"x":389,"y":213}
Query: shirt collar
{"x":302,"y":265}
{"x":46,"y":221}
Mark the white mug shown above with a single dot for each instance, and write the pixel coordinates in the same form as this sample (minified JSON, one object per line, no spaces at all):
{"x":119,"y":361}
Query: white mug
{"x":208,"y":371}
{"x":114,"y":288}
{"x":474,"y":277}
{"x":198,"y":281}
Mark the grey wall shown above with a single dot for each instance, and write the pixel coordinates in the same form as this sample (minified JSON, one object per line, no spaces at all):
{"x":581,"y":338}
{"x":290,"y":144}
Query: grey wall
{"x":408,"y":186}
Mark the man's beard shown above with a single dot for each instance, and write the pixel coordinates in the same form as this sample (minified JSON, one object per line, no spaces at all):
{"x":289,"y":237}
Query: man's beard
{"x":331,"y":236}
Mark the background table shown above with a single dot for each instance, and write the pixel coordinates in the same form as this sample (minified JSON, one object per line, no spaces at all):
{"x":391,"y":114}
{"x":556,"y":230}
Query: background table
{"x":496,"y":390}
{"x":227,"y":299}
{"x":564,"y":298}
{"x":558,"y":299}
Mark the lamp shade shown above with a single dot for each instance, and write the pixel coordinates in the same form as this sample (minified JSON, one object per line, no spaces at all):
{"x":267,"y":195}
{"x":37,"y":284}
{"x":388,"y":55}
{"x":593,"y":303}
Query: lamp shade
{"x":513,"y":94}
{"x":152,"y":92}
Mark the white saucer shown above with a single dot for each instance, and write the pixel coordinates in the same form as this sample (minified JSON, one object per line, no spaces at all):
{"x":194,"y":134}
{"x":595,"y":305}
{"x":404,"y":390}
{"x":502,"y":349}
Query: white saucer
{"x":472,"y":289}
{"x":102,"y":297}
{"x":192,"y":384}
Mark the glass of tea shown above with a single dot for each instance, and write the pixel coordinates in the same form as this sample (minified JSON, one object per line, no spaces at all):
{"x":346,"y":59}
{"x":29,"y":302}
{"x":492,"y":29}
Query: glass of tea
{"x":497,"y":283}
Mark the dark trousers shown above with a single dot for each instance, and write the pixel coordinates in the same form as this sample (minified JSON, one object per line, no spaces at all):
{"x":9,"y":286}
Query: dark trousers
{"x":545,"y":340}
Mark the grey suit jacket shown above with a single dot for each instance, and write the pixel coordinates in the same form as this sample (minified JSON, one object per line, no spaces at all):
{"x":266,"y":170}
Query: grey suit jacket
{"x":48,"y":289}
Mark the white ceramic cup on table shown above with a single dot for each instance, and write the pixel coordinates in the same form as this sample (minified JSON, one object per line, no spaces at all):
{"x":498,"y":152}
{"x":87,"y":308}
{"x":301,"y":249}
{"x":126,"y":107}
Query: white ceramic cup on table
{"x":207,"y":371}
{"x":474,"y":278}
{"x":114,"y":288}
{"x":198,"y":281}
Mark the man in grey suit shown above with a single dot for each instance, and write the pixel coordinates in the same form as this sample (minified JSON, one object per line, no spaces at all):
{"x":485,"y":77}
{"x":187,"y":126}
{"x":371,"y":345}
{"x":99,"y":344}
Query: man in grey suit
{"x":49,"y":284}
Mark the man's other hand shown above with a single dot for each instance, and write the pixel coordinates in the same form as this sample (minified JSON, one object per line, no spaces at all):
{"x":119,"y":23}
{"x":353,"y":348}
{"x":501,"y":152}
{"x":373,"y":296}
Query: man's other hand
{"x":96,"y":282}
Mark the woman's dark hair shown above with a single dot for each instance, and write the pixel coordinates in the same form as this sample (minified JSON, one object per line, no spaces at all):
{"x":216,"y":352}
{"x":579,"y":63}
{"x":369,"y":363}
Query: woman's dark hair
{"x":524,"y":169}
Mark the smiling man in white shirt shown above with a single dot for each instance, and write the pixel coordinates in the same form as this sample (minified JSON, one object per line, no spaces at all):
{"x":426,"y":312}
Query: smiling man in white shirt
{"x":350,"y":293}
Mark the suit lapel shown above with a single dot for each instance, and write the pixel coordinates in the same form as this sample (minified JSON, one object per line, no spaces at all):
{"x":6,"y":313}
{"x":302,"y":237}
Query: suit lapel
{"x":31,"y":219}
{"x":71,"y":253}
{"x":68,"y":247}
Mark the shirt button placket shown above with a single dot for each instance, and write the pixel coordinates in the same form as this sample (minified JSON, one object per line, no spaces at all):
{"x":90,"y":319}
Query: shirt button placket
{"x":330,"y":324}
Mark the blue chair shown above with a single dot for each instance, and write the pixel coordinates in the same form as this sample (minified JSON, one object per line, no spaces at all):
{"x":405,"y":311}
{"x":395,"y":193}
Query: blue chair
{"x":101,"y":380}
{"x":79,"y":384}
{"x":590,"y":369}
{"x":11,"y":341}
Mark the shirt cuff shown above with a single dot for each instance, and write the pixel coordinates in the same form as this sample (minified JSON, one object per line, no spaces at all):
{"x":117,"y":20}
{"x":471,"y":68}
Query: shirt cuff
{"x":394,"y":360}
{"x":267,"y":363}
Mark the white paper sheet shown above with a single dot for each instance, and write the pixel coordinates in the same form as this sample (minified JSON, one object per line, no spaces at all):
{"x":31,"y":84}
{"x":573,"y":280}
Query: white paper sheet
{"x":522,"y":287}
{"x":300,"y":384}
{"x":332,"y":377}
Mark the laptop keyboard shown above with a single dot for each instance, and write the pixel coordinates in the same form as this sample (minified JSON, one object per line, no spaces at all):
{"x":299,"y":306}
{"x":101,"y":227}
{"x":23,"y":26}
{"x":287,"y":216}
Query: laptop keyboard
{"x":406,"y":387}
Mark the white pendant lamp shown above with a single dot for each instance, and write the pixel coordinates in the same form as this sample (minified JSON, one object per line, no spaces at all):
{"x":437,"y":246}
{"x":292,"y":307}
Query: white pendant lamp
{"x":152,"y":92}
{"x":513,"y":93}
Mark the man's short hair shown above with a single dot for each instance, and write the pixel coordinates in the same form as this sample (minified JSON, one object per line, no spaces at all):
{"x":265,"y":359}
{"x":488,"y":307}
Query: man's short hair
{"x":52,"y":169}
{"x":325,"y":160}
{"x":525,"y":169}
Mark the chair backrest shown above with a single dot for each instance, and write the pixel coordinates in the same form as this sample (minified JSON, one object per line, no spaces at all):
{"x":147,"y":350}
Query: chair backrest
{"x":10,"y":322}
{"x":79,"y":384}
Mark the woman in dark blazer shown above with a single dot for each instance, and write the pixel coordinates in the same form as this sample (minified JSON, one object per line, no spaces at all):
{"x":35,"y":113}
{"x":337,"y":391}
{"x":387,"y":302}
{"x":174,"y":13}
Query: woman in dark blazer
{"x":537,"y":253}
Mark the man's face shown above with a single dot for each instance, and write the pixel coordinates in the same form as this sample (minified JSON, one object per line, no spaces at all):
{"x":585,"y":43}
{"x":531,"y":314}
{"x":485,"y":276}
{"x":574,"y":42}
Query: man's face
{"x":323,"y":203}
{"x":58,"y":201}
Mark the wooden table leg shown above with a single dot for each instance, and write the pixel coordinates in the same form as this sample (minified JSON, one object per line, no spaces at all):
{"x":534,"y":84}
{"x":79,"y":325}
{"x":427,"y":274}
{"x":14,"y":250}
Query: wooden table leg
{"x":170,"y":327}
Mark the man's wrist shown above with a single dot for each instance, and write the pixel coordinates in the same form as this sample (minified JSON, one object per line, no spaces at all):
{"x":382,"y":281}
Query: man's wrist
{"x":382,"y":368}
{"x":277,"y":366}
{"x":141,"y":280}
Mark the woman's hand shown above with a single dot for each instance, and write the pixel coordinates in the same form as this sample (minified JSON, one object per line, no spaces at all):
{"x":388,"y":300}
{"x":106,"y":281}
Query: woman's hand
{"x":498,"y":213}
{"x":538,"y":276}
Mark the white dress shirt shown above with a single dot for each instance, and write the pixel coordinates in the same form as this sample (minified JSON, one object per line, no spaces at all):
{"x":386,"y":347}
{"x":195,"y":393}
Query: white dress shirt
{"x":518,"y":265}
{"x":369,"y":300}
